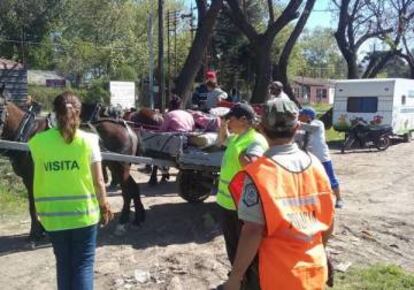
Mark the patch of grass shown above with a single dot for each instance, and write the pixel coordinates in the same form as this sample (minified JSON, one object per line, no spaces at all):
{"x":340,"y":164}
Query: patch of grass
{"x":332,"y":135}
{"x":321,"y":108}
{"x":377,"y":277}
{"x":13,"y":194}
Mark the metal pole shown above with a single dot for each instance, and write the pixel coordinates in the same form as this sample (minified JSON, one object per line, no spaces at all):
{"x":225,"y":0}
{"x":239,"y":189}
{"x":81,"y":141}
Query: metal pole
{"x":175,"y":42}
{"x":151,"y":62}
{"x":168,"y":51}
{"x":161,"y":54}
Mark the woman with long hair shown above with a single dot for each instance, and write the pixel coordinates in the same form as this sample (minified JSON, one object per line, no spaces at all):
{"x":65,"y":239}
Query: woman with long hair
{"x":69,"y":192}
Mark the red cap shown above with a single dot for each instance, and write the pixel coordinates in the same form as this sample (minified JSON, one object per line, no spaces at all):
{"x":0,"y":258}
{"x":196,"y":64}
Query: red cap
{"x":211,"y":75}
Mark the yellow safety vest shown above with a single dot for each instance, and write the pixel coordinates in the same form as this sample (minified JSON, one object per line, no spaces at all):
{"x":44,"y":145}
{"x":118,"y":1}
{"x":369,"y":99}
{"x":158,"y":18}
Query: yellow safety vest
{"x":231,"y":165}
{"x":64,"y":193}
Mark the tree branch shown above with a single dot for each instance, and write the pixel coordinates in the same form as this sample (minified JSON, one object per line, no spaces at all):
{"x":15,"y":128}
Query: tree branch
{"x":271,"y":12}
{"x":241,"y":21}
{"x":371,"y":35}
{"x":290,"y":13}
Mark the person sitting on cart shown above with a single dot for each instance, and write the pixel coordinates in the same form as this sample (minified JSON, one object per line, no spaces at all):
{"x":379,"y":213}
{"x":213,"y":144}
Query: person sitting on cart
{"x":177,"y":120}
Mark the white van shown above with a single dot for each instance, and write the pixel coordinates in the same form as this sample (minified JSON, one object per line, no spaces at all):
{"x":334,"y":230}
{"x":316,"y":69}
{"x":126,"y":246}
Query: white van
{"x":376,"y":101}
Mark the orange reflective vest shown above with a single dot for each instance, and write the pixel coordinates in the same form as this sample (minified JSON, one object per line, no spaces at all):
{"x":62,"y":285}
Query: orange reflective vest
{"x":297,"y":208}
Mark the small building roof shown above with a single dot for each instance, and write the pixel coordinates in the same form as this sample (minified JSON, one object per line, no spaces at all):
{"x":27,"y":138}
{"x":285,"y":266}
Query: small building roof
{"x":313,"y":82}
{"x":10,"y":64}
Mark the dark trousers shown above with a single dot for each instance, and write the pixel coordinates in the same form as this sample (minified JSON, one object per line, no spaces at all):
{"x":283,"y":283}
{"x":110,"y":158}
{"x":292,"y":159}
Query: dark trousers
{"x":75,"y":255}
{"x":231,"y":227}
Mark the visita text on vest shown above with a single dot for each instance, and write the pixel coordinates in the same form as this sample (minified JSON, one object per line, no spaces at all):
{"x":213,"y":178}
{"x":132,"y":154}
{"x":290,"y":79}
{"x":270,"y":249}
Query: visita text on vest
{"x":61,"y":165}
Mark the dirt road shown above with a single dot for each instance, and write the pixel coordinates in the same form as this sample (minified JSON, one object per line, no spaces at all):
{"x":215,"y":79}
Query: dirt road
{"x":180,"y":246}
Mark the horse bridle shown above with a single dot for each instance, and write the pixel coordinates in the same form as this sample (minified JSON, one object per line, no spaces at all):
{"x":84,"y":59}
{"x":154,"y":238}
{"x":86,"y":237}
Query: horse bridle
{"x":25,"y":125}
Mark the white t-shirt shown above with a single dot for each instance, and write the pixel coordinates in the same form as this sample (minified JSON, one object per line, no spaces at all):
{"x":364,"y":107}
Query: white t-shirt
{"x":215,"y":96}
{"x":316,"y":142}
{"x":282,"y":96}
{"x":93,"y":141}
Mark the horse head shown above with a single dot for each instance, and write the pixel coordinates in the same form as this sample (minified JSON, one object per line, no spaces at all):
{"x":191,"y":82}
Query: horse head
{"x":3,"y":108}
{"x":14,"y":122}
{"x":90,"y":112}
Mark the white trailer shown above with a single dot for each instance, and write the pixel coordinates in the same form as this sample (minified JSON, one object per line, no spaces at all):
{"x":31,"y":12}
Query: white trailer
{"x":376,"y":101}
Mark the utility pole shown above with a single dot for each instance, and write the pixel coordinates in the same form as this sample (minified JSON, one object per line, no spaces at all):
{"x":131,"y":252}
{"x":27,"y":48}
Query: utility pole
{"x":175,"y":43}
{"x":171,"y":27}
{"x":168,"y":51}
{"x":161,"y":54}
{"x":151,"y":62}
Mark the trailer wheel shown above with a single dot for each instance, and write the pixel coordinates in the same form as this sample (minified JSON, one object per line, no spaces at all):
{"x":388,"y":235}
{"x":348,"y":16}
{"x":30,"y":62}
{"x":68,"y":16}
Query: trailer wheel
{"x":349,"y":141}
{"x":194,"y":187}
{"x":383,"y":143}
{"x":407,"y":137}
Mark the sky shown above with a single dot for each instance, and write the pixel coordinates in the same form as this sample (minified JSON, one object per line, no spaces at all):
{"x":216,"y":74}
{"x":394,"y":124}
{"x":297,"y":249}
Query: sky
{"x":317,"y":17}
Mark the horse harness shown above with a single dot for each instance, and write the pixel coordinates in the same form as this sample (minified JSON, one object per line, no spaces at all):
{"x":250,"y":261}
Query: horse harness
{"x":3,"y":114}
{"x":91,"y":125}
{"x":25,"y":128}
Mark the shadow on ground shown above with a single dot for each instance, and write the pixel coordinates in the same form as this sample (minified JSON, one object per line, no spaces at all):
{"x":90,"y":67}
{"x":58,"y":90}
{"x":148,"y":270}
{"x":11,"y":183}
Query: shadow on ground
{"x":166,"y":224}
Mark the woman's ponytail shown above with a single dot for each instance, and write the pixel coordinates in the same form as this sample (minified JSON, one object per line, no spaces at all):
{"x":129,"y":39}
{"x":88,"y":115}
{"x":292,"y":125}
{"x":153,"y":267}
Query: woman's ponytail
{"x":67,"y":108}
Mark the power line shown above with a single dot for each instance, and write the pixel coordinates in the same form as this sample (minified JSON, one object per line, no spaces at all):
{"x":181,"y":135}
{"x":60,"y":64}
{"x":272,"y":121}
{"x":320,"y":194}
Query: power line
{"x":34,"y":43}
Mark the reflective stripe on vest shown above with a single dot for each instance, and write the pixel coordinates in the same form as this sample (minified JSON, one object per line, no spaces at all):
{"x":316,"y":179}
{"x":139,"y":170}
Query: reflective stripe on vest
{"x":63,"y":186}
{"x":297,"y":208}
{"x":68,"y":213}
{"x":231,"y":164}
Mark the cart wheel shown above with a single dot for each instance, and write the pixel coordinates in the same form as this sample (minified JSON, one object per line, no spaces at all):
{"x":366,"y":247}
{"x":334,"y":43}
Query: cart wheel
{"x":193,"y":186}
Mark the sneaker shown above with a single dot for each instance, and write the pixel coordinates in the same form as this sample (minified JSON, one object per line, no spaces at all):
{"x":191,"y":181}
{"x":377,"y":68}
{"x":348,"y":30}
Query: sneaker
{"x":339,"y":203}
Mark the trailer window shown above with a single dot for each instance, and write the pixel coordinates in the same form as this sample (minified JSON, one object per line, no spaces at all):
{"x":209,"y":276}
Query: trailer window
{"x":362,"y":104}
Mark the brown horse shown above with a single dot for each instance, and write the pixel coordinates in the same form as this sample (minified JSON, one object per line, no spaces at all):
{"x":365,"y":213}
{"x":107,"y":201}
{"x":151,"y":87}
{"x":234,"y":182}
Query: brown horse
{"x":117,"y":136}
{"x":148,"y":119}
{"x":17,"y":125}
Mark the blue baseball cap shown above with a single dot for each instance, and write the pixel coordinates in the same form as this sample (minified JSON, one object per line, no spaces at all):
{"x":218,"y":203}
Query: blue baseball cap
{"x":308,"y":111}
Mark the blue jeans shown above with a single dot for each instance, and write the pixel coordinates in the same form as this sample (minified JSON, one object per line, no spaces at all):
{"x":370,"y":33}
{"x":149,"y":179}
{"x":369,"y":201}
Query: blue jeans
{"x":75,"y":255}
{"x":331,"y":174}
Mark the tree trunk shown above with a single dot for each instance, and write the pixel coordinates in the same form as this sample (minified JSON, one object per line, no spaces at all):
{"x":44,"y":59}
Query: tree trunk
{"x":353,"y":72}
{"x":287,"y":50}
{"x":263,"y":70}
{"x":195,"y":56}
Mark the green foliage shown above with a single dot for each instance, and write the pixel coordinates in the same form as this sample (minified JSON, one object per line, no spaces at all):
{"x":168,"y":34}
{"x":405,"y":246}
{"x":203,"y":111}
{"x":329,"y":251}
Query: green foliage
{"x":234,"y":57}
{"x":124,"y":73}
{"x":13,"y":194}
{"x":45,"y":95}
{"x":377,"y":277}
{"x":396,"y":68}
{"x":97,"y":92}
{"x":25,"y":22}
{"x":320,"y":55}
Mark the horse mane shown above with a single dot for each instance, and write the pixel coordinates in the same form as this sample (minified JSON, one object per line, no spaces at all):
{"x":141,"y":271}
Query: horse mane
{"x":147,"y":116}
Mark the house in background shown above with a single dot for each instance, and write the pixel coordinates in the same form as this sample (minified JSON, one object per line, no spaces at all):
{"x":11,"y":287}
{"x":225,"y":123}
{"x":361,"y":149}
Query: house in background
{"x":313,"y":91}
{"x":14,"y":76}
{"x":46,"y":78}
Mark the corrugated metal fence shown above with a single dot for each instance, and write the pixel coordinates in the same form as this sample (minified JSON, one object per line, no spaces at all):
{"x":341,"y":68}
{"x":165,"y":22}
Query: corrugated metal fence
{"x":16,"y":83}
